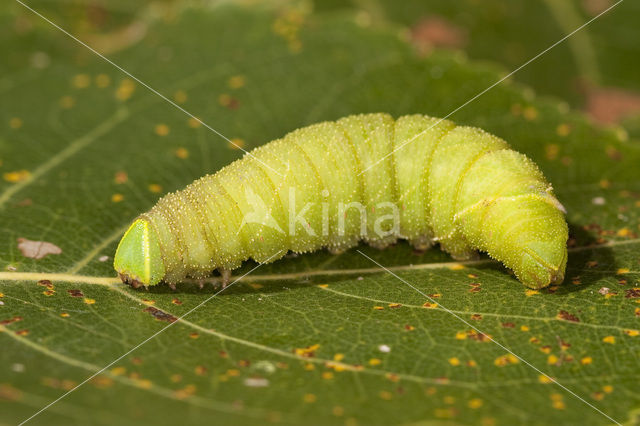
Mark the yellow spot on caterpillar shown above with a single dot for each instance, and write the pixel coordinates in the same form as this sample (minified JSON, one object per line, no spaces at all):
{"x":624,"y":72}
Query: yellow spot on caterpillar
{"x":236,"y":143}
{"x":15,"y":123}
{"x":386,"y":395}
{"x":182,"y":153}
{"x":507,"y":359}
{"x":67,"y":102}
{"x":632,"y":333}
{"x":309,"y":398}
{"x":89,"y":301}
{"x":116,"y":198}
{"x":457,"y":267}
{"x":586,"y":360}
{"x":103,"y":81}
{"x":454,"y":361}
{"x":236,"y":81}
{"x":375,"y":361}
{"x":552,"y":360}
{"x":563,"y":129}
{"x":327,"y":375}
{"x":430,"y":305}
{"x":475,"y":403}
{"x":622,"y":271}
{"x":155,"y":188}
{"x":17,"y":176}
{"x":180,"y":96}
{"x":524,"y":328}
{"x":125,"y":89}
{"x":530,"y":113}
{"x":81,"y":81}
{"x":194,"y":122}
{"x":544,"y":379}
{"x":338,"y":357}
{"x":609,"y":339}
{"x":161,"y":129}
{"x":118,"y":371}
{"x":551,"y":151}
{"x":530,"y":292}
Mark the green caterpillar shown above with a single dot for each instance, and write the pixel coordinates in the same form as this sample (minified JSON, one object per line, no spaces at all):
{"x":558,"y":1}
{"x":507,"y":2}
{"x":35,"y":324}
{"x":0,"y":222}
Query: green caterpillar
{"x":325,"y":186}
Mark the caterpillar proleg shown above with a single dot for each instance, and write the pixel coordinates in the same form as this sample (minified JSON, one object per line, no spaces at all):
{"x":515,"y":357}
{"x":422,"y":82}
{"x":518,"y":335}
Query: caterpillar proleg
{"x":324,"y":186}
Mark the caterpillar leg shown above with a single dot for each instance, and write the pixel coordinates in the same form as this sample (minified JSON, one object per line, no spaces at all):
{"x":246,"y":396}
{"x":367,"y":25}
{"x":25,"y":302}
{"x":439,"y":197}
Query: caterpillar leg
{"x":336,"y":250}
{"x":226,"y":276}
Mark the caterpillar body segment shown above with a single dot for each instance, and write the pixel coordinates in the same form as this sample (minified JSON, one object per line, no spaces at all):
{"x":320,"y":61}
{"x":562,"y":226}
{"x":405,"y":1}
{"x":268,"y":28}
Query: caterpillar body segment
{"x":458,"y":186}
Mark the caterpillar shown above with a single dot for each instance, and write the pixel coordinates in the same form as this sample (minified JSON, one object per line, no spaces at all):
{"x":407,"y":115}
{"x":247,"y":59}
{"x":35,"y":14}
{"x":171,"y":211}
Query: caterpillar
{"x":364,"y":178}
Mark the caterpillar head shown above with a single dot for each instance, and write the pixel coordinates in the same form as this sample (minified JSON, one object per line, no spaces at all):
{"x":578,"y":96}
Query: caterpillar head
{"x":138,"y":259}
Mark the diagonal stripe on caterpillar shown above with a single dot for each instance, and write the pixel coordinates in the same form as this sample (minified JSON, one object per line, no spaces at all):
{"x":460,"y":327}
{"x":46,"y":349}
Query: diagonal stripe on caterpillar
{"x":459,"y":186}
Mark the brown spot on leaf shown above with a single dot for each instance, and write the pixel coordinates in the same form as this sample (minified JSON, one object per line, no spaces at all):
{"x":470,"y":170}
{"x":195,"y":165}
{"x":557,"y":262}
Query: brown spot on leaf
{"x":37,"y":249}
{"x":508,"y":325}
{"x":610,"y":105}
{"x":476,"y":317}
{"x":160,"y":315}
{"x":434,"y":31}
{"x":9,"y":393}
{"x":46,"y":283}
{"x":632,"y":293}
{"x":75,"y":293}
{"x":566,"y":316}
{"x":10,"y":320}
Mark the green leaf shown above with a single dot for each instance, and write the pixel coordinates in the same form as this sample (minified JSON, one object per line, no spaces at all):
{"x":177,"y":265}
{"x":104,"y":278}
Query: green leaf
{"x":314,"y":338}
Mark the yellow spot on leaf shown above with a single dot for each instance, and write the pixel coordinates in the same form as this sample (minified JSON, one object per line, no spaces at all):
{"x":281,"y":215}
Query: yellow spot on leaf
{"x":236,"y":143}
{"x":194,"y":122}
{"x":454,"y":361}
{"x":395,"y":305}
{"x":530,"y":113}
{"x":609,"y":339}
{"x":430,"y":305}
{"x":375,"y":361}
{"x":180,"y":96}
{"x":632,"y":333}
{"x":475,"y":403}
{"x":309,"y":398}
{"x":563,"y":129}
{"x":103,"y":81}
{"x":386,"y":395}
{"x":125,"y":89}
{"x":148,"y":302}
{"x":143,"y":383}
{"x":81,"y":81}
{"x":309,"y":367}
{"x":604,"y":183}
{"x":232,"y":372}
{"x":457,"y":267}
{"x":182,"y":153}
{"x":323,"y":285}
{"x":622,"y":270}
{"x":552,"y":360}
{"x":530,"y":292}
{"x":337,"y":411}
{"x":89,"y":301}
{"x":15,"y":123}
{"x":116,"y":198}
{"x":155,"y":188}
{"x":327,"y":375}
{"x":586,"y":360}
{"x":308,"y":351}
{"x":121,"y":177}
{"x":338,"y":357}
{"x":544,"y":379}
{"x":524,"y":328}
{"x":507,"y":359}
{"x":551,"y":151}
{"x":161,"y":129}
{"x":17,"y":176}
{"x":236,"y":81}
{"x":461,"y":335}
{"x":67,"y":102}
{"x":194,"y":335}
{"x":118,"y":371}
{"x":378,"y":308}
{"x":472,"y":363}
{"x":64,"y":315}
